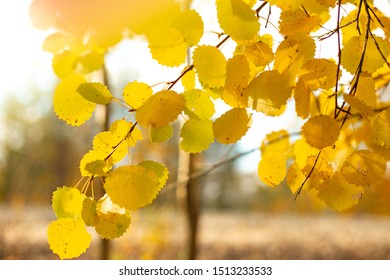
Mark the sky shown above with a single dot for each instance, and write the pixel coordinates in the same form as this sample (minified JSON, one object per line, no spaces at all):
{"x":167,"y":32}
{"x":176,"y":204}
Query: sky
{"x":23,"y":63}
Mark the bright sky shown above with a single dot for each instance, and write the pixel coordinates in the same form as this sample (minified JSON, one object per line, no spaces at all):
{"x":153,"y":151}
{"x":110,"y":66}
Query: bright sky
{"x":22,"y":62}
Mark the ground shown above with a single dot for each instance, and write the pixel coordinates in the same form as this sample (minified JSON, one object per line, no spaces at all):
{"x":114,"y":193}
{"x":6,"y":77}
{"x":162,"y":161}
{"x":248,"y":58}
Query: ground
{"x":161,"y":234}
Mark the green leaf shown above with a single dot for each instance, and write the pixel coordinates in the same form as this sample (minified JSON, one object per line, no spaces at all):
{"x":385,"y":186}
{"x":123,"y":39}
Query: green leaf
{"x":95,"y":92}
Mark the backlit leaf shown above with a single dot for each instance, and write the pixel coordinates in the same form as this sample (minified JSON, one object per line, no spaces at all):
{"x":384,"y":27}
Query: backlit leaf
{"x":199,"y":103}
{"x":381,"y":129}
{"x":135,"y":94}
{"x":360,"y":106}
{"x":95,"y":92}
{"x":190,"y":25}
{"x":189,"y":80}
{"x":268,"y":91}
{"x":91,"y":163}
{"x":363,"y":168}
{"x":277,"y":141}
{"x":67,"y":202}
{"x":64,"y":64}
{"x":167,"y":45}
{"x":302,"y":99}
{"x":237,"y":19}
{"x":272,"y":168}
{"x":197,"y":135}
{"x":160,"y":134}
{"x":319,"y":73}
{"x":259,"y":53}
{"x":210,"y":66}
{"x":132,"y":187}
{"x":89,"y":211}
{"x":321,"y":131}
{"x":302,"y":151}
{"x":69,"y":105}
{"x":353,"y":50}
{"x":338,"y":194}
{"x":232,"y":126}
{"x":297,"y":21}
{"x":68,"y":238}
{"x":160,"y":109}
{"x":159,"y":169}
{"x":112,"y":225}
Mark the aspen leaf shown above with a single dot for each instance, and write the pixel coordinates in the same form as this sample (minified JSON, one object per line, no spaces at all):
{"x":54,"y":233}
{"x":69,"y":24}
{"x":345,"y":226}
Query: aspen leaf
{"x":297,"y":21}
{"x":91,"y":163}
{"x":68,"y":238}
{"x":91,"y":61}
{"x":160,"y":109}
{"x":197,"y":135}
{"x":232,"y":126}
{"x":135,"y":94}
{"x":272,"y":169}
{"x":67,"y":202}
{"x":190,"y":25}
{"x":199,"y":103}
{"x":55,"y":43}
{"x":112,"y":225}
{"x":365,"y":91}
{"x":69,"y":105}
{"x":360,"y":106}
{"x":276,"y":141}
{"x":160,"y":134}
{"x":302,"y":151}
{"x":237,"y":19}
{"x":88,"y":212}
{"x":189,"y":80}
{"x":132,"y":187}
{"x":167,"y":45}
{"x":338,"y":194}
{"x":319,"y":73}
{"x":295,"y":178}
{"x":302,"y":99}
{"x":268,"y":91}
{"x":381,"y":129}
{"x":321,"y":131}
{"x":259,"y":53}
{"x":159,"y":169}
{"x":353,"y":50}
{"x":210,"y":66}
{"x":63,"y":64}
{"x":363,"y":168}
{"x":95,"y":92}
{"x":238,"y":75}
{"x":320,"y":169}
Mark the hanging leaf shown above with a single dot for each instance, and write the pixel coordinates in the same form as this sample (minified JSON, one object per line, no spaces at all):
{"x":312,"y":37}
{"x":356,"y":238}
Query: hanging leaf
{"x":199,"y":103}
{"x":160,"y":134}
{"x":321,"y":131}
{"x":381,"y":129}
{"x":197,"y":135}
{"x":135,"y":94}
{"x":67,"y":202}
{"x":190,"y":25}
{"x":210,"y":66}
{"x":95,"y":92}
{"x":272,"y":168}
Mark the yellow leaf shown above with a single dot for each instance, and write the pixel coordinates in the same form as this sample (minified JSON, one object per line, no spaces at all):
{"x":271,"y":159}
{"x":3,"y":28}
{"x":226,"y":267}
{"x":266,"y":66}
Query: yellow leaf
{"x":363,"y":168}
{"x":319,"y":73}
{"x":277,"y":141}
{"x":190,"y":25}
{"x":381,"y":129}
{"x":272,"y":168}
{"x":321,"y":131}
{"x":353,"y":50}
{"x":112,"y":225}
{"x":322,"y":168}
{"x":95,"y":92}
{"x":91,"y":61}
{"x":292,"y":53}
{"x":232,"y":126}
{"x":268,"y":91}
{"x":132,"y":187}
{"x":360,"y":106}
{"x":197,"y":135}
{"x":160,"y":134}
{"x":238,"y":75}
{"x":91,"y":164}
{"x":295,"y":178}
{"x":338,"y":194}
{"x":69,"y":105}
{"x":259,"y":53}
{"x":135,"y":94}
{"x":89,"y":211}
{"x":160,"y":109}
{"x":237,"y":19}
{"x":159,"y":169}
{"x":68,"y":238}
{"x":302,"y":151}
{"x":189,"y":80}
{"x":55,"y":43}
{"x":167,"y":45}
{"x":210,"y":66}
{"x":199,"y":103}
{"x":302,"y":99}
{"x":67,"y":202}
{"x":64,"y":64}
{"x":297,"y":21}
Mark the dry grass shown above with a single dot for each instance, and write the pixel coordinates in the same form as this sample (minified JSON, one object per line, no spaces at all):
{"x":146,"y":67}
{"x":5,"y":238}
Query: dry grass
{"x":226,"y":235}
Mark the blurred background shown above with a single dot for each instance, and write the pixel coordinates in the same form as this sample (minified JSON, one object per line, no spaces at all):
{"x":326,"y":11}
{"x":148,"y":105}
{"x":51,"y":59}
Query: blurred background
{"x":239,"y":218}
